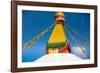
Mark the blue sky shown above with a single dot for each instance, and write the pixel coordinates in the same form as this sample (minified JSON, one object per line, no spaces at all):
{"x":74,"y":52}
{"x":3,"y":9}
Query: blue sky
{"x":34,"y":22}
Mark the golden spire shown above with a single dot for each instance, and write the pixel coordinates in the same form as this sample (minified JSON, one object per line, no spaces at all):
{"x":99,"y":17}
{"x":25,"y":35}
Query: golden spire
{"x":58,"y":34}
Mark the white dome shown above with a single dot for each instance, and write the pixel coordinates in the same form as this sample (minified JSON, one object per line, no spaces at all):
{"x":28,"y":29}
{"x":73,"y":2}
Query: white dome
{"x":58,"y":57}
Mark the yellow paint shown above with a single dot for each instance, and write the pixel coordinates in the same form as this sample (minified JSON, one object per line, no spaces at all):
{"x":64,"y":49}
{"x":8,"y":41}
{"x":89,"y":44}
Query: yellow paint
{"x":58,"y":34}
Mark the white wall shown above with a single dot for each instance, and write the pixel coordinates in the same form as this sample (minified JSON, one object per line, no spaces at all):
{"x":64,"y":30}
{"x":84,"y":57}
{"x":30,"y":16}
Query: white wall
{"x":5,"y":32}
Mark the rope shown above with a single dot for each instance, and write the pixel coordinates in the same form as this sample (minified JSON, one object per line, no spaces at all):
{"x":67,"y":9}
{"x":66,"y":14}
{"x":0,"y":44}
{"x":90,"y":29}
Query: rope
{"x":79,"y":36}
{"x":75,"y":41}
{"x":31,"y":42}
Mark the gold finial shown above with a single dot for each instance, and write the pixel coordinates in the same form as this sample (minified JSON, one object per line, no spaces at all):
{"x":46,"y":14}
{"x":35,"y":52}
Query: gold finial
{"x":60,"y":14}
